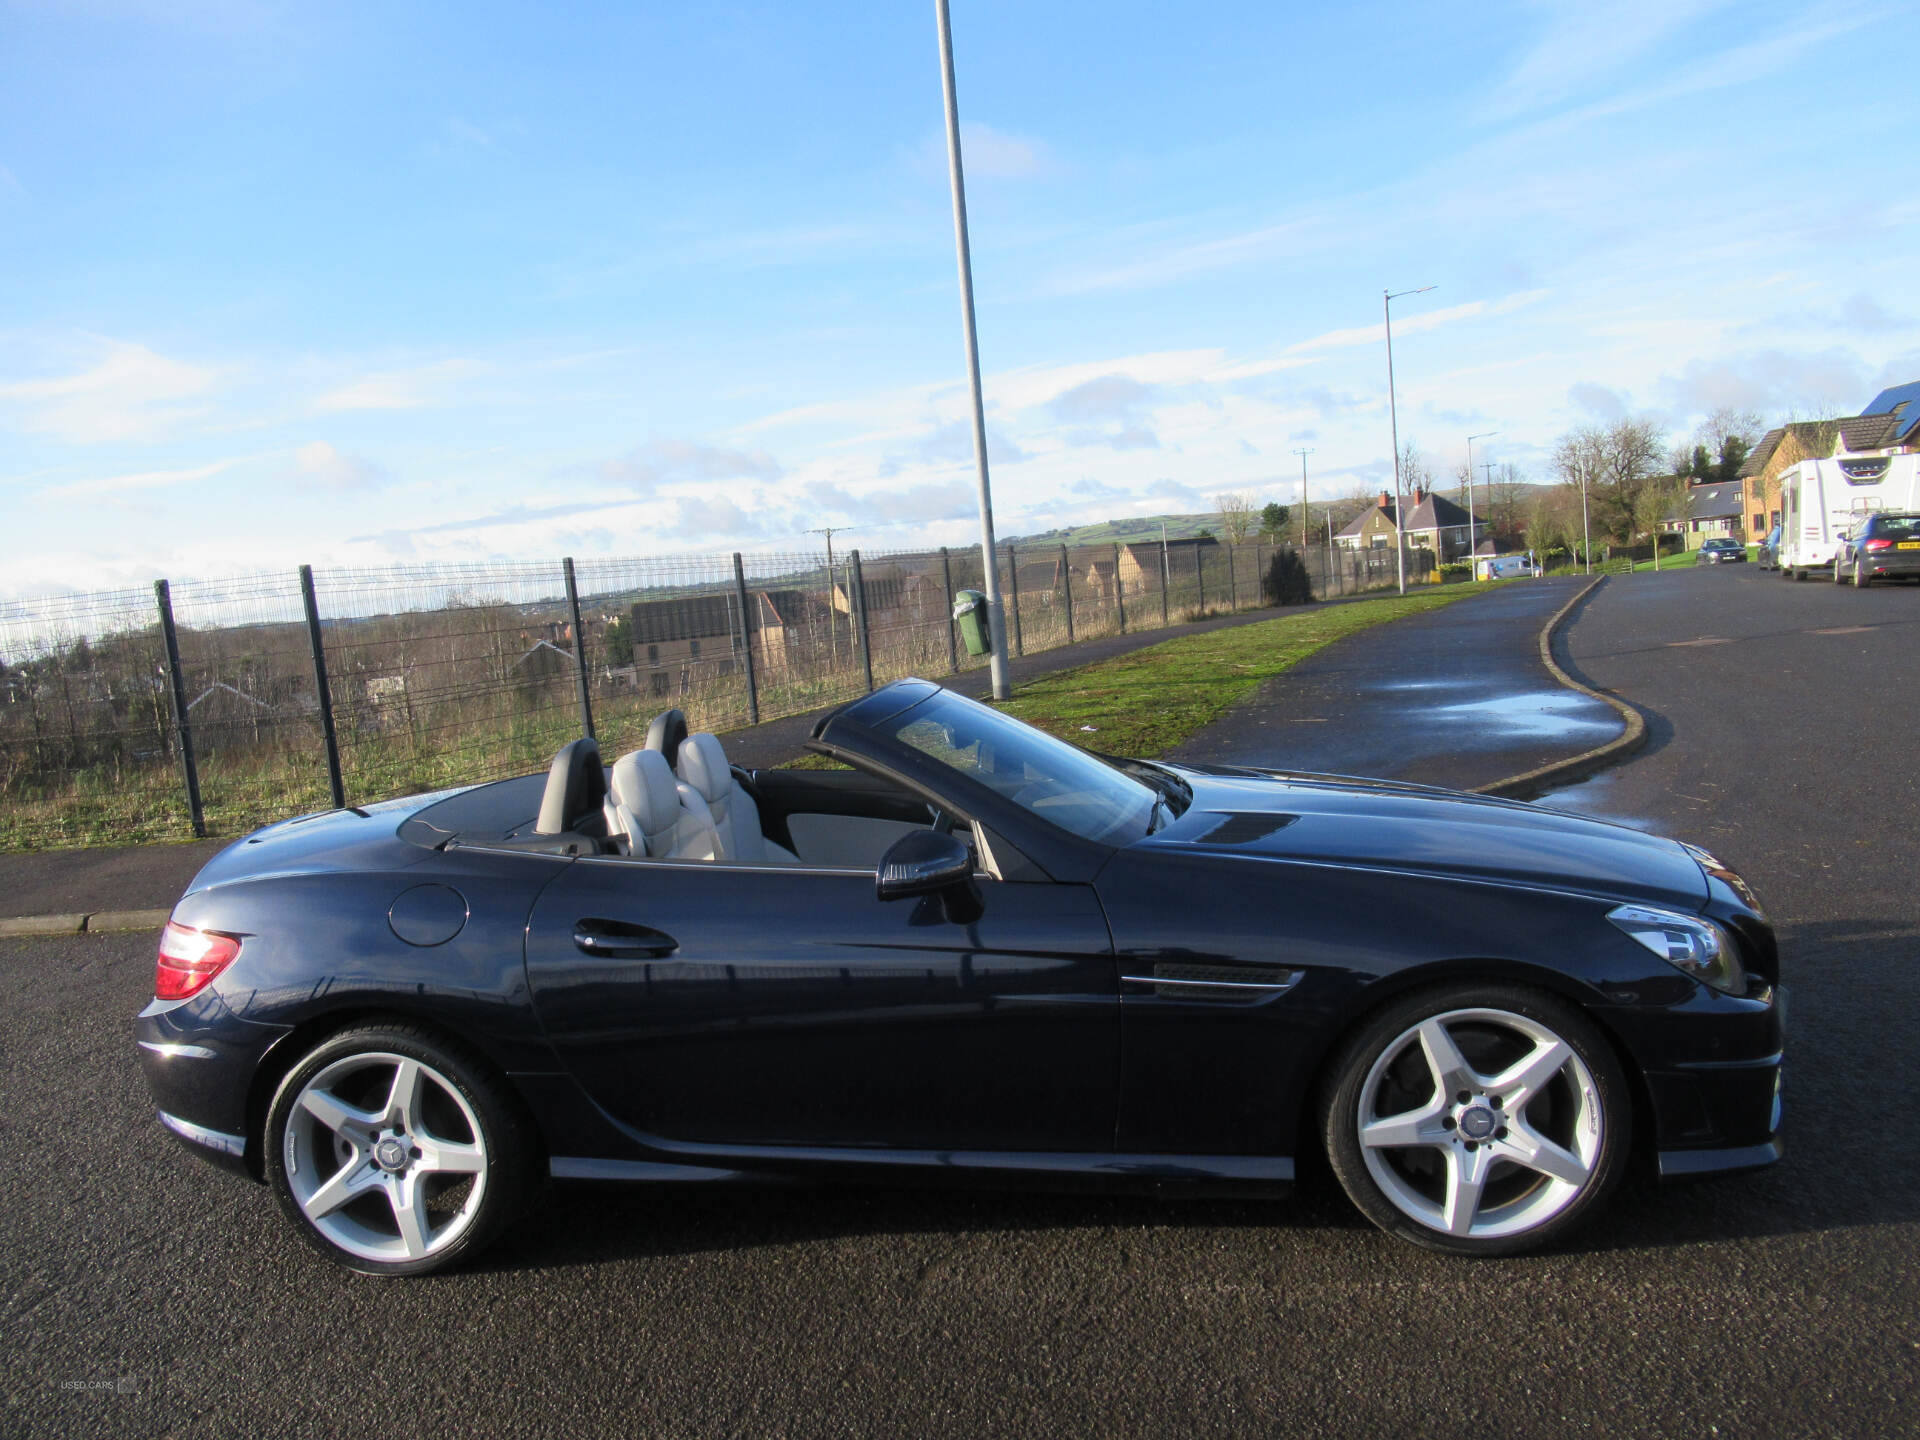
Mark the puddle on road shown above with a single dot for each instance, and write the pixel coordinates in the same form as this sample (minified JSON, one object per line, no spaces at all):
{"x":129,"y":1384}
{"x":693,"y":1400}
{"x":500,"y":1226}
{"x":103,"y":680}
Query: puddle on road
{"x":1536,"y":715}
{"x":1594,"y":798}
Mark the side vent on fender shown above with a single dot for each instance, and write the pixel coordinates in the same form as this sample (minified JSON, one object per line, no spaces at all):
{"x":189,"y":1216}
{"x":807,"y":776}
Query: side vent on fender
{"x":1244,"y":829}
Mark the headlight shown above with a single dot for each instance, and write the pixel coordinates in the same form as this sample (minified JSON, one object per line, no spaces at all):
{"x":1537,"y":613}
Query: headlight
{"x":1699,"y":947}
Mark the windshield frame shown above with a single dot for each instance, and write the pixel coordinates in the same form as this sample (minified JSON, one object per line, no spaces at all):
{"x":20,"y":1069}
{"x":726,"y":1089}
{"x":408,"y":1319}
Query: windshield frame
{"x":860,"y":733}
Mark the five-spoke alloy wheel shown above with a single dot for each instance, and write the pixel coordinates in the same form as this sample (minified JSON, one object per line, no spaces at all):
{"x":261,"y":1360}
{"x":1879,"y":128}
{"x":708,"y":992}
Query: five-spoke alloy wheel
{"x":394,"y":1152}
{"x":1477,"y":1119}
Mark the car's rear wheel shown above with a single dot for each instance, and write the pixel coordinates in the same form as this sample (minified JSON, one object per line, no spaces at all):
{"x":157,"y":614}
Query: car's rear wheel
{"x":1477,"y":1119}
{"x":1861,"y":579}
{"x":395,"y":1152}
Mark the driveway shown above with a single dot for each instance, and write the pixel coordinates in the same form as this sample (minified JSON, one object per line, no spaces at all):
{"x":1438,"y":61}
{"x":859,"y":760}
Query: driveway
{"x":1457,"y":697}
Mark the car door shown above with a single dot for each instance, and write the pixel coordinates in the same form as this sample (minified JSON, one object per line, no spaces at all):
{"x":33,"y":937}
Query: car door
{"x":711,"y":1004}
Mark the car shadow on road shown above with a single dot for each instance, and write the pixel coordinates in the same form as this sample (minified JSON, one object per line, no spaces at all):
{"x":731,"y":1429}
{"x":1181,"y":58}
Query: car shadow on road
{"x":595,"y":1224}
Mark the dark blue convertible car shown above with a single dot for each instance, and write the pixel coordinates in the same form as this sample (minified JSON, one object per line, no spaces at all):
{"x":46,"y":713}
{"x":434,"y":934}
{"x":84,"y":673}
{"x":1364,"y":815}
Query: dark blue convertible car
{"x":974,"y":953}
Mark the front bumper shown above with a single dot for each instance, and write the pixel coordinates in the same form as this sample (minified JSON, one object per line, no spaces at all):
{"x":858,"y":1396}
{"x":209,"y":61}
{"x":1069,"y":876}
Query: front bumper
{"x":1719,"y":1115}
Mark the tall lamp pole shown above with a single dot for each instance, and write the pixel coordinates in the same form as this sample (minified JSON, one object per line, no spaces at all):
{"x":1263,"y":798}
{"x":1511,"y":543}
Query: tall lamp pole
{"x":1393,"y":411}
{"x":1586,"y":535}
{"x":1303,"y":495}
{"x":996,"y":611}
{"x":1473,"y":541}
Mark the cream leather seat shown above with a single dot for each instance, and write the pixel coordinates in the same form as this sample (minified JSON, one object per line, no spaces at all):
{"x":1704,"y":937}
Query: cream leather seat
{"x":731,"y":816}
{"x":645,"y":806}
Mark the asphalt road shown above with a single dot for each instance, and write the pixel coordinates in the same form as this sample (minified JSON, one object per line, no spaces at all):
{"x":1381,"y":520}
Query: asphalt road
{"x":1457,"y":697}
{"x":1781,"y":1304}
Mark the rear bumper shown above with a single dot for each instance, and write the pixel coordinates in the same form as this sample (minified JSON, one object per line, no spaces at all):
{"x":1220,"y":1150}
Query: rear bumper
{"x":227,"y":1151}
{"x":1891,"y":567}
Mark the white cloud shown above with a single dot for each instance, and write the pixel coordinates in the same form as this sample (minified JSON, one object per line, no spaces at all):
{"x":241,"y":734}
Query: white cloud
{"x":1581,"y":45}
{"x":989,"y":154}
{"x":143,"y":480}
{"x":666,"y":462}
{"x":335,"y":469}
{"x":413,"y":389}
{"x":127,"y":393}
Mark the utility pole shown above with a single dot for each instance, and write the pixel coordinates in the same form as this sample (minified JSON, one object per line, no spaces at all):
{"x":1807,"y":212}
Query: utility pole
{"x":1303,"y":496}
{"x":996,"y":612}
{"x":833,"y":627}
{"x":1470,"y":536}
{"x":1393,"y":412}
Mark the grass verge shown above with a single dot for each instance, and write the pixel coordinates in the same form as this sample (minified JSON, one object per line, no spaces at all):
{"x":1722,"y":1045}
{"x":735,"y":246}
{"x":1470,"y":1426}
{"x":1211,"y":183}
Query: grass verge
{"x":1146,"y":702}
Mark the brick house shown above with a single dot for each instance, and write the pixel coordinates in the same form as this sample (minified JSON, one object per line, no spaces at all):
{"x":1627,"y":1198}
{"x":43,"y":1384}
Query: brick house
{"x":1890,"y":425}
{"x":1434,"y":523}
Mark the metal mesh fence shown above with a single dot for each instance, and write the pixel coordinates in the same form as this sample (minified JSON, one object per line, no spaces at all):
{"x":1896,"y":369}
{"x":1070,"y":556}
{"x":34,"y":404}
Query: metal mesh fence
{"x":427,"y":676}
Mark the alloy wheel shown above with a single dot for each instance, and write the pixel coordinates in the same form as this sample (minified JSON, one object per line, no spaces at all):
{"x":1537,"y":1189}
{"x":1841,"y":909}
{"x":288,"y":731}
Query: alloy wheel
{"x":385,"y":1157}
{"x":1480,"y":1124}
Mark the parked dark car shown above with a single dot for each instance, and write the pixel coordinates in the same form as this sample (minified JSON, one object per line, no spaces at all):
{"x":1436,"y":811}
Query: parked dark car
{"x":1720,"y":551}
{"x":979,"y":954}
{"x":1767,"y":555}
{"x":1885,"y":547}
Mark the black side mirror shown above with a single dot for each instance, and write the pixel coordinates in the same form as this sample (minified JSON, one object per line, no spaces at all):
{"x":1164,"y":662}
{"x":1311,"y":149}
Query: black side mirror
{"x":923,"y":862}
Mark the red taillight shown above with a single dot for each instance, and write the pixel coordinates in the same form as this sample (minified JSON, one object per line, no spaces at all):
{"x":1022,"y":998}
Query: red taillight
{"x":189,"y":959}
{"x":1879,"y":544}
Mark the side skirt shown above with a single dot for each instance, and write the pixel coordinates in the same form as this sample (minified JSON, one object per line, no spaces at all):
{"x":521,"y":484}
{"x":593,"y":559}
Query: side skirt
{"x":1235,"y":1174}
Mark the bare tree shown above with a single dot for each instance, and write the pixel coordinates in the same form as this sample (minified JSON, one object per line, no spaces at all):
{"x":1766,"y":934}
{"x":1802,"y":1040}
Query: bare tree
{"x":1620,"y":464}
{"x":1238,"y":511}
{"x":1414,"y":469}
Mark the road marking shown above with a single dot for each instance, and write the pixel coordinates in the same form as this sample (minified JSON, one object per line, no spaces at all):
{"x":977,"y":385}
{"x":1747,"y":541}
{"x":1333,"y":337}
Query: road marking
{"x":1703,"y":640}
{"x":1844,"y":630}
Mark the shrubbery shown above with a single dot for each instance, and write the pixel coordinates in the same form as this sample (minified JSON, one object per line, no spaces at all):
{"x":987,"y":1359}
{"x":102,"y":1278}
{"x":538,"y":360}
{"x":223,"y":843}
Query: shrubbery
{"x":1287,"y":581}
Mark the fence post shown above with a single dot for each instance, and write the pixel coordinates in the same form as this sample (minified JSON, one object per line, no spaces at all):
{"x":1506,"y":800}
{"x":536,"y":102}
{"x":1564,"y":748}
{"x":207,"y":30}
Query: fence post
{"x":1166,"y":585}
{"x":946,"y":586}
{"x":1066,"y":579}
{"x":1233,"y":583}
{"x":866,"y":635}
{"x":1199,"y":575}
{"x":1259,"y":577}
{"x":746,"y":640}
{"x":1119,"y":591}
{"x":1013,"y":599}
{"x":579,"y":650}
{"x":323,"y":694}
{"x":182,"y":726}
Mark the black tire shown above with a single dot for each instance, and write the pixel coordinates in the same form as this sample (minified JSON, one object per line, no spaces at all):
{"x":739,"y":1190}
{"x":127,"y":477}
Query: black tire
{"x":1861,"y":579}
{"x":464,"y":1151}
{"x":1583,"y":1108}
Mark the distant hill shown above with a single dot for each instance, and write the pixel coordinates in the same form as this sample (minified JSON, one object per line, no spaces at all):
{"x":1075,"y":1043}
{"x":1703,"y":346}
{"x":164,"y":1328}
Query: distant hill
{"x":1108,"y":532}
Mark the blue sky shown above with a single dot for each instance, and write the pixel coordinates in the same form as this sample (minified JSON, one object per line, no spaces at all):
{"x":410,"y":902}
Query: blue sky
{"x":367,"y":283}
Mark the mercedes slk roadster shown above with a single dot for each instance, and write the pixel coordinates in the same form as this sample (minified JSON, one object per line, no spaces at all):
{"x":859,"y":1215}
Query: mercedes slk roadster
{"x":968,"y":953}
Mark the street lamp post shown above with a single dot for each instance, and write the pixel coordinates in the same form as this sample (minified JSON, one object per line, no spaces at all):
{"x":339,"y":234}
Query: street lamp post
{"x":1393,"y":412}
{"x":1586,"y":536}
{"x":1473,"y":548}
{"x":996,"y":612}
{"x":1303,"y":497}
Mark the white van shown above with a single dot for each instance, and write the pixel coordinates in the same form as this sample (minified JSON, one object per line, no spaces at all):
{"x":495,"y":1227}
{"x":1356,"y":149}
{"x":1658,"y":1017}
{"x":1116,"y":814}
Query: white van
{"x":1505,"y":567}
{"x":1822,"y":501}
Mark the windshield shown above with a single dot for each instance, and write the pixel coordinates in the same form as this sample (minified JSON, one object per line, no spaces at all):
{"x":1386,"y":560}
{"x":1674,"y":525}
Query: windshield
{"x":1058,"y":782}
{"x":1896,"y":527}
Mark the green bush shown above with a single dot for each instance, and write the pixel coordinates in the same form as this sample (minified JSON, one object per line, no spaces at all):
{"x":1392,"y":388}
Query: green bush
{"x":1287,"y":581}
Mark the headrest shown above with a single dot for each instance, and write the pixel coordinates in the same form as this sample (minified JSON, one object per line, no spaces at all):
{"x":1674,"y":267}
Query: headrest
{"x":576,"y":785}
{"x":666,"y":733}
{"x":703,"y":765}
{"x":643,"y":783}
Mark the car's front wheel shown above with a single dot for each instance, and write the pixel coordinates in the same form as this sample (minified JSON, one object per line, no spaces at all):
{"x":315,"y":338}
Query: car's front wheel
{"x":395,"y":1152}
{"x":1477,"y":1119}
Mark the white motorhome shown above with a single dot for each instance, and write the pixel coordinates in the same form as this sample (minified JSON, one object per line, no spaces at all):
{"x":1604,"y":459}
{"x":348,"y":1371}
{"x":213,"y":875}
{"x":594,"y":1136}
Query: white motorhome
{"x":1822,"y":500}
